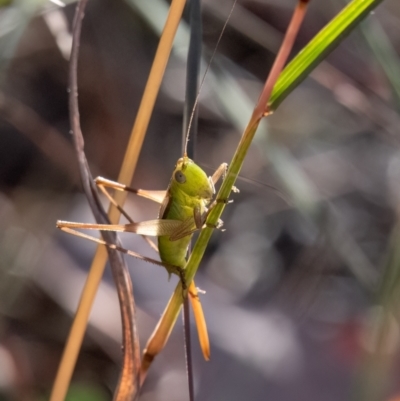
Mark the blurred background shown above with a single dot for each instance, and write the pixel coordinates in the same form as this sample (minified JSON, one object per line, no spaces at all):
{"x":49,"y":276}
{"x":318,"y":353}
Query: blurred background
{"x":301,"y":287}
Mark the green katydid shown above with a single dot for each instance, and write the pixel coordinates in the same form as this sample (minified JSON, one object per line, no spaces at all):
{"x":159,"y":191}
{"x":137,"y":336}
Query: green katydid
{"x":185,"y":206}
{"x":183,"y":210}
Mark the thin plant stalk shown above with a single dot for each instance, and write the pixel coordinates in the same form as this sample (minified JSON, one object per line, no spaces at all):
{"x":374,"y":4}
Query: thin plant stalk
{"x":192,"y":78}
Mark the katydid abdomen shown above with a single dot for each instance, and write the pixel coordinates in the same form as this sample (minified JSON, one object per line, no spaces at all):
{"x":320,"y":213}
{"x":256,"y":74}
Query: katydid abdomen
{"x":188,"y":194}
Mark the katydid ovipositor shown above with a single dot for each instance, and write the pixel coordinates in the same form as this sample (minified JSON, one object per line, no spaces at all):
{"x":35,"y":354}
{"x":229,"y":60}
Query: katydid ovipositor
{"x":183,"y":211}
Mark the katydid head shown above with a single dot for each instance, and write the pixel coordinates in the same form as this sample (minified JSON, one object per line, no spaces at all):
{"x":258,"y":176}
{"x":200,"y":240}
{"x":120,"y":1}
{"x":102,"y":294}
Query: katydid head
{"x":191,"y":179}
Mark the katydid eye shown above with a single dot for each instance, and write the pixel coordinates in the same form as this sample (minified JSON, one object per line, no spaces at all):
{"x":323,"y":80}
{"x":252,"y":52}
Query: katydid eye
{"x":180,"y":177}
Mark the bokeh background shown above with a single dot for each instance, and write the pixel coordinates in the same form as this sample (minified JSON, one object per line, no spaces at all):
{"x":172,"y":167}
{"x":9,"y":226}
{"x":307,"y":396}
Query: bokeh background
{"x":301,"y":287}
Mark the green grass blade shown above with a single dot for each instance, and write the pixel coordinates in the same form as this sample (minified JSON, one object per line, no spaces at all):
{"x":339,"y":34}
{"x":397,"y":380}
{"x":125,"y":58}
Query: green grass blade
{"x":319,"y":47}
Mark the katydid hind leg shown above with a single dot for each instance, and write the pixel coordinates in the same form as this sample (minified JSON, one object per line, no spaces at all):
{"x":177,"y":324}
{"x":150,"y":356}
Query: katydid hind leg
{"x":170,"y":268}
{"x":124,"y":213}
{"x":154,"y":228}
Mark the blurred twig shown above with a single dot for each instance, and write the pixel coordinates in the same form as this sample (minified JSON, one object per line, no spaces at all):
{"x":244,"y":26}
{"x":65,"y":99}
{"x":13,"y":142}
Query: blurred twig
{"x":383,"y":327}
{"x":13,"y":22}
{"x":305,"y":198}
{"x":384,"y":52}
{"x":45,"y":137}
